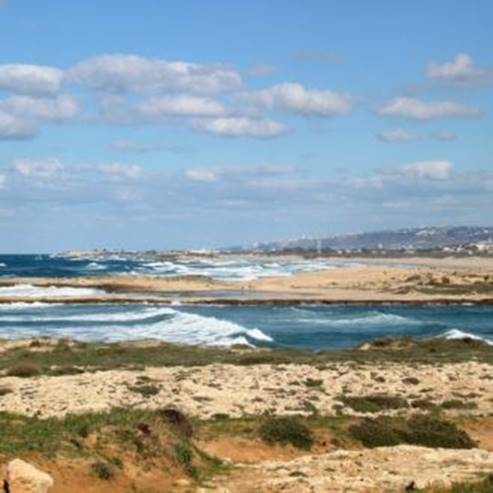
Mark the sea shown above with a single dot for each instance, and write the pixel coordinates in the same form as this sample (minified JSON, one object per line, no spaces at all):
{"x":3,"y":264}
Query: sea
{"x":310,"y":326}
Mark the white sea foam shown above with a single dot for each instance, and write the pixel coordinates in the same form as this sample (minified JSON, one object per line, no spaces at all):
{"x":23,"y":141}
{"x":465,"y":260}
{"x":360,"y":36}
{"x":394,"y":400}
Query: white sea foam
{"x":162,"y":323}
{"x":371,"y":318}
{"x":30,"y":291}
{"x":454,"y":334}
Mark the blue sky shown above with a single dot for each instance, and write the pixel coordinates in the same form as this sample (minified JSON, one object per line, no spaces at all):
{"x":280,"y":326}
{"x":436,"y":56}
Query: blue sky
{"x":195,"y":124}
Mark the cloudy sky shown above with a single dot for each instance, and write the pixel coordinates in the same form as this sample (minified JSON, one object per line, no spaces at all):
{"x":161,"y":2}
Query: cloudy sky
{"x":150,"y":124}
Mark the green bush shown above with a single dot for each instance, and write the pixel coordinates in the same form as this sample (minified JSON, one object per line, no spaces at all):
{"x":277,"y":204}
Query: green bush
{"x":434,"y":432}
{"x":286,"y":430}
{"x":24,"y":370}
{"x":145,"y":390}
{"x":373,"y":403}
{"x":424,"y":430}
{"x":103,"y":470}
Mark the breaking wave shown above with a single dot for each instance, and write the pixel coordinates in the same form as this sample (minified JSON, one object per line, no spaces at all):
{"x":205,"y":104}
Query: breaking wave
{"x":30,"y":291}
{"x":456,"y":334}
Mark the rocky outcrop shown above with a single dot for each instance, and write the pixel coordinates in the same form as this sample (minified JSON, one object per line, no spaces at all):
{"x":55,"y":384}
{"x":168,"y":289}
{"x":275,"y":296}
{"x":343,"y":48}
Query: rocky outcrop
{"x":22,"y":477}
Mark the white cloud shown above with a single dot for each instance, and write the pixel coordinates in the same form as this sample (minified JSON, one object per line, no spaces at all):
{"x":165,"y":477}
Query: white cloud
{"x":428,"y":170}
{"x":12,"y":127}
{"x":295,"y":98}
{"x":43,"y":169}
{"x":122,"y":73}
{"x":3,"y":179}
{"x":460,"y":70}
{"x":180,"y":105}
{"x":239,"y":174}
{"x":240,"y":126}
{"x":30,"y":79}
{"x":426,"y":110}
{"x":44,"y":109}
{"x":119,"y":171}
{"x":397,"y":135}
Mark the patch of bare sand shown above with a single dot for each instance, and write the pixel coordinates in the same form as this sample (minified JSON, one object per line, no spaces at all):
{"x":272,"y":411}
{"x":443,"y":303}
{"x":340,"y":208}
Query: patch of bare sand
{"x":383,"y":469}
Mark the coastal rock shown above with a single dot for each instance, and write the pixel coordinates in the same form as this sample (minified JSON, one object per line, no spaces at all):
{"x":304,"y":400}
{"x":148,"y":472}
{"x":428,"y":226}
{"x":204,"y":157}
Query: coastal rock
{"x":23,"y":477}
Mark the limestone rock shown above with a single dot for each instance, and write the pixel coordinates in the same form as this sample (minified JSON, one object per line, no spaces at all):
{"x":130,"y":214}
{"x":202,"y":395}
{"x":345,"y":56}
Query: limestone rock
{"x":23,"y":477}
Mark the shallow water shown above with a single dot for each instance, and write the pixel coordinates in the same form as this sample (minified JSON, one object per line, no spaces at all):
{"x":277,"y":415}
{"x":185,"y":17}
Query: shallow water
{"x":226,"y":269}
{"x":313,"y":327}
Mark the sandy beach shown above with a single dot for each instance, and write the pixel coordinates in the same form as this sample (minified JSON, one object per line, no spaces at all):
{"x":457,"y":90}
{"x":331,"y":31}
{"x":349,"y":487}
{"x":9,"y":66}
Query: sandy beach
{"x":414,"y":280}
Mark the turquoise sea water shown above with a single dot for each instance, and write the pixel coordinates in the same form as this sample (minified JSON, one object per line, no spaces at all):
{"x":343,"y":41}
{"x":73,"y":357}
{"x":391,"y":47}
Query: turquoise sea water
{"x":314,"y":327}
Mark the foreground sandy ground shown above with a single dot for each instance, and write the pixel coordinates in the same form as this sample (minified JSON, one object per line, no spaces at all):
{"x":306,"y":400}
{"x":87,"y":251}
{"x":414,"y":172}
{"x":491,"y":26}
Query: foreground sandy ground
{"x":238,"y":390}
{"x":389,"y":280}
{"x":463,"y":391}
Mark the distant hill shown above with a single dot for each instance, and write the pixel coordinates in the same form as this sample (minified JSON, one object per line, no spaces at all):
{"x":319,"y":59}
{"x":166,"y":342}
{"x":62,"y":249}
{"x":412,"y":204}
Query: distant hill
{"x":429,"y":238}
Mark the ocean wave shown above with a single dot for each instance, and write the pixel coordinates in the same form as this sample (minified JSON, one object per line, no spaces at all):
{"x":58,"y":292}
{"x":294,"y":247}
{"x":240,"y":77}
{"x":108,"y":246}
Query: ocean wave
{"x":30,"y":291}
{"x":370,"y":318}
{"x":456,"y":334}
{"x":21,"y":305}
{"x":119,"y":317}
{"x":162,"y":323}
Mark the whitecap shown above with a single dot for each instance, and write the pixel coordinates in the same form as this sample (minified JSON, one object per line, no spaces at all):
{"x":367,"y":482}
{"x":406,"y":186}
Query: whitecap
{"x":30,"y":291}
{"x":456,"y":334}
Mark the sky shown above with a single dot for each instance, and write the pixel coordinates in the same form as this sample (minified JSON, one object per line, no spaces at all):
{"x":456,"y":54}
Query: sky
{"x":159,"y":125}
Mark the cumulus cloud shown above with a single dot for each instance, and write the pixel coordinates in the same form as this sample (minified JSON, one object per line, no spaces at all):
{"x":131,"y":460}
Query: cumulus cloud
{"x":237,"y":126}
{"x":428,"y":170}
{"x":43,"y":169}
{"x":45,"y":109}
{"x":397,"y":135}
{"x":461,"y":70}
{"x":426,"y":110}
{"x":295,"y":98}
{"x":180,"y":105}
{"x":14,"y":128}
{"x":243,"y":174}
{"x":121,"y":171}
{"x":118,"y":73}
{"x":30,"y":79}
{"x":3,"y":179}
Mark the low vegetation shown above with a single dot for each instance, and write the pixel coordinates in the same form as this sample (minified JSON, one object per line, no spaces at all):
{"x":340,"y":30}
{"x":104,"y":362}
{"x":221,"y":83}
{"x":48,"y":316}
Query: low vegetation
{"x":286,"y":430}
{"x":64,"y":358}
{"x":424,"y":430}
{"x":374,"y":403}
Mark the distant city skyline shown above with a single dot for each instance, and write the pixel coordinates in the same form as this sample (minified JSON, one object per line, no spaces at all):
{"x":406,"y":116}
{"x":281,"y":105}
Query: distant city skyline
{"x":161,"y":125}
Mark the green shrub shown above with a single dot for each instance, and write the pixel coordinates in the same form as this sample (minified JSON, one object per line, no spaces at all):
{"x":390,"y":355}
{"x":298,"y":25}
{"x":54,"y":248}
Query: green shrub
{"x":24,"y":370}
{"x":378,"y":432}
{"x":313,"y":382}
{"x":145,"y":390}
{"x":427,"y":431}
{"x":103,"y":470}
{"x":178,"y":420}
{"x":286,"y":430}
{"x":434,"y":432}
{"x":374,"y":403}
{"x":458,"y":404}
